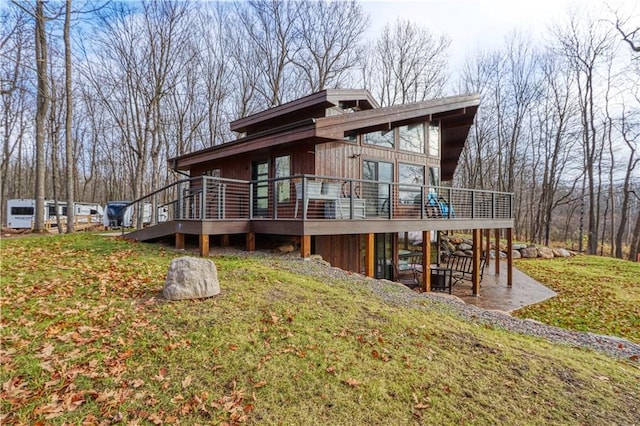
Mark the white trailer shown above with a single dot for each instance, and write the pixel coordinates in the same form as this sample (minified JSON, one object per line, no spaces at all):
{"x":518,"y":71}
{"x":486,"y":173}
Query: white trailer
{"x":21,"y":212}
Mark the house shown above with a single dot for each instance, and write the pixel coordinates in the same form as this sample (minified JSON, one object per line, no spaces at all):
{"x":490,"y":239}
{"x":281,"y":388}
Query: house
{"x":340,"y":172}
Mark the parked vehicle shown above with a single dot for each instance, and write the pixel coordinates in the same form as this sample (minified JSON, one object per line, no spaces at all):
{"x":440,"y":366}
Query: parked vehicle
{"x":120,"y":213}
{"x":21,"y":212}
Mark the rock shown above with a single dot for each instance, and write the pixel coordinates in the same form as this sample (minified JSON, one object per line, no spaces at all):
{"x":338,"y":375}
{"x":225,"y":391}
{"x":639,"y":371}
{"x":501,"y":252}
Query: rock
{"x":516,"y":254}
{"x":286,"y":248}
{"x":492,"y":254}
{"x":561,"y":252}
{"x":465,"y":246}
{"x":545,"y":253}
{"x":191,"y":278}
{"x":455,"y":240}
{"x":467,"y":241}
{"x":459,"y":253}
{"x":529,"y":252}
{"x":468,"y":253}
{"x":519,"y":246}
{"x":451,"y":247}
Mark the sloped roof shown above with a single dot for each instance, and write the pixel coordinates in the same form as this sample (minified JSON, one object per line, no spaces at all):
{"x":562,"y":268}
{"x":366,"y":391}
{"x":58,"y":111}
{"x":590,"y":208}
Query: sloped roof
{"x":278,"y":126}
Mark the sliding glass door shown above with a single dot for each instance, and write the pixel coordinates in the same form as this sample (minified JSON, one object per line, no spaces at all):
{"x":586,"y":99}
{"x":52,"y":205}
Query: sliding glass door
{"x":378,"y":194}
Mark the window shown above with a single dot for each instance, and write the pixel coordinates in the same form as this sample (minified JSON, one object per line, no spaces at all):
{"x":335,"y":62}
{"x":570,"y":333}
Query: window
{"x":382,"y":138}
{"x":212,"y":173}
{"x":26,"y":211}
{"x":411,"y":179}
{"x":283,"y":170}
{"x":411,"y":137}
{"x":434,"y":140}
{"x":378,"y":194}
{"x":434,"y":176}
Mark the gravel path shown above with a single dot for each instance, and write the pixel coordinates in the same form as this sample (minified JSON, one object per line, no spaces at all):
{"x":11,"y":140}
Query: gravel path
{"x":400,"y":295}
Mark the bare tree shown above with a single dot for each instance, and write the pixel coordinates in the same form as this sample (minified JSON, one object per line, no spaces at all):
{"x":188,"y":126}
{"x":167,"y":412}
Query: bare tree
{"x":41,"y":112}
{"x":585,"y":44}
{"x":407,"y":64}
{"x":272,"y":33}
{"x":329,"y":32}
{"x":70,"y":158}
{"x":16,"y":99}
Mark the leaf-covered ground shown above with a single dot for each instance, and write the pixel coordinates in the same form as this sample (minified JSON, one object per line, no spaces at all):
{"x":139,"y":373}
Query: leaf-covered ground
{"x":87,"y":339}
{"x":596,"y":294}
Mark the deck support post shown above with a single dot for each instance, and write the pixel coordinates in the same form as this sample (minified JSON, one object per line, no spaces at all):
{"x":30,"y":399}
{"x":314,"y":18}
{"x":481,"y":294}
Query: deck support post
{"x":369,"y":255}
{"x":251,"y":241}
{"x":179,"y":241}
{"x":426,"y":261}
{"x":509,"y":257}
{"x":224,"y":240}
{"x":305,"y":246}
{"x":497,"y":250}
{"x":204,"y":245}
{"x":487,"y":245}
{"x":477,"y":251}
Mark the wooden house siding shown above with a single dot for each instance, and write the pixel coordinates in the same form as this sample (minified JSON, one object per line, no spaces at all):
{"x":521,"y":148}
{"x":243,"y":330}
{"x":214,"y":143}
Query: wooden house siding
{"x":341,"y":251}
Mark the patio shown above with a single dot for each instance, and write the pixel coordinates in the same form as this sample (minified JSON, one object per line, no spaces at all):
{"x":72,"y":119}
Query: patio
{"x":495,"y":294}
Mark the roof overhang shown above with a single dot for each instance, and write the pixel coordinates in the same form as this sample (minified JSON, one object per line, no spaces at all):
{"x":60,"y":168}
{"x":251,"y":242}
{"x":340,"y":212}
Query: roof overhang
{"x":455,"y":115}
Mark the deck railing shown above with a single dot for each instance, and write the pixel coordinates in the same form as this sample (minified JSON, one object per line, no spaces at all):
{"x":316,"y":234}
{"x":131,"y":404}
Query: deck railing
{"x":308,"y":197}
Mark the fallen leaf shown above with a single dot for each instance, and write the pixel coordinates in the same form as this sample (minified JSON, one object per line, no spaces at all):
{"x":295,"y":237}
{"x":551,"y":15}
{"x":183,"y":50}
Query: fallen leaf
{"x":260,"y":384}
{"x":186,"y":382}
{"x":351,"y":382}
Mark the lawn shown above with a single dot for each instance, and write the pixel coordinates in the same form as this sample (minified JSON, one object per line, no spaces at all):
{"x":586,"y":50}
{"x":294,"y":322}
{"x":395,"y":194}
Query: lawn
{"x":596,"y":294}
{"x":87,"y":339}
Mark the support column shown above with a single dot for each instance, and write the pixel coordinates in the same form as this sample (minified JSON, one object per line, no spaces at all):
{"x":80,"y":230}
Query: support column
{"x":477,"y":251}
{"x":497,"y":250}
{"x":305,"y":246}
{"x":251,"y":241}
{"x":487,"y":245}
{"x":224,"y":240}
{"x":204,"y":245}
{"x":179,"y":241}
{"x":509,"y":257}
{"x":369,"y":255}
{"x":426,"y":261}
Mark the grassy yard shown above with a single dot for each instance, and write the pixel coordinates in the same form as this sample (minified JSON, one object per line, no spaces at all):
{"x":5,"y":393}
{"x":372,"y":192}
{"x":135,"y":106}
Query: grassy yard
{"x":596,"y":294}
{"x":87,"y":339}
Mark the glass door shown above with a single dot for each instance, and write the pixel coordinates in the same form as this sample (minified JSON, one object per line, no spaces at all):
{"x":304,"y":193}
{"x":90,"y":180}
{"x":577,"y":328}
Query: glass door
{"x":378,"y":194}
{"x":383,"y":256}
{"x":260,"y":176}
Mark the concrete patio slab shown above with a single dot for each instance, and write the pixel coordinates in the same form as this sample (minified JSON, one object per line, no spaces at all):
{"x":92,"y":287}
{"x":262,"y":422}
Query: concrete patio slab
{"x":494,"y":293}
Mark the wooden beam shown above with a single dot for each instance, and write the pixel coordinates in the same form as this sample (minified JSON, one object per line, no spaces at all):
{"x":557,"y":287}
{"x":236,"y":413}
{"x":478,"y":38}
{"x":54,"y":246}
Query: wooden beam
{"x":369,"y":255}
{"x":251,"y":241}
{"x":487,"y":245}
{"x":204,"y":245}
{"x":305,"y":246}
{"x":509,"y":257}
{"x":179,"y":241}
{"x":224,"y":240}
{"x":477,"y":251}
{"x":426,"y":261}
{"x":497,"y":250}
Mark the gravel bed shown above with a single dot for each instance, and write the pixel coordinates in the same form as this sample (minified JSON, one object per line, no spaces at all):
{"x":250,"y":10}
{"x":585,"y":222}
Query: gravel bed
{"x":398,"y":294}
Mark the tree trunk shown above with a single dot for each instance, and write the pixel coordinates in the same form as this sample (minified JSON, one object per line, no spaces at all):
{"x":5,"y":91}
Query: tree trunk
{"x":41,"y":112}
{"x":68,"y":146}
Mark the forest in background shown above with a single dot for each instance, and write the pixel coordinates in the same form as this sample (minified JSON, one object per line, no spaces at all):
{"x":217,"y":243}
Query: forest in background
{"x":96,"y":96}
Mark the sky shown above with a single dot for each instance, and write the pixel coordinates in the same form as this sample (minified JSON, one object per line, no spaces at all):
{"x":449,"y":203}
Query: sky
{"x":481,"y":24}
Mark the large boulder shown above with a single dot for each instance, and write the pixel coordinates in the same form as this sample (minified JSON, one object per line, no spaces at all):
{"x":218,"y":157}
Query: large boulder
{"x":464,"y":246}
{"x":529,"y":252}
{"x":545,"y":253}
{"x":519,"y":246}
{"x":191,"y":278}
{"x":560,"y":252}
{"x":516,"y":254}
